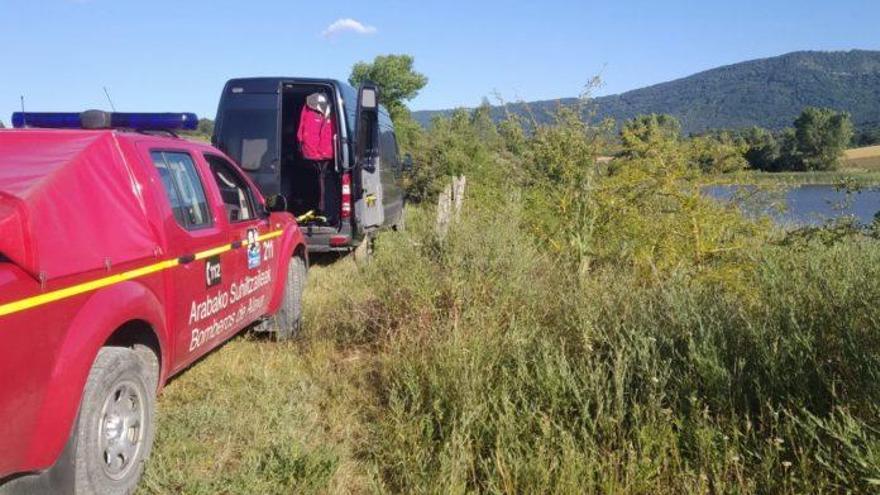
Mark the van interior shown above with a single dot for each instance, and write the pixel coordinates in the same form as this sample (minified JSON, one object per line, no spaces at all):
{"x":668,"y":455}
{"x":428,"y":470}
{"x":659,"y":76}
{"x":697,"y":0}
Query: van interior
{"x":300,"y":178}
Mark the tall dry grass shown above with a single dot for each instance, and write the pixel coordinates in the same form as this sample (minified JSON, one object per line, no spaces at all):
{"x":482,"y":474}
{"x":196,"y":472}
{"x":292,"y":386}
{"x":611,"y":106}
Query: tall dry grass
{"x":584,"y":328}
{"x":867,"y":158}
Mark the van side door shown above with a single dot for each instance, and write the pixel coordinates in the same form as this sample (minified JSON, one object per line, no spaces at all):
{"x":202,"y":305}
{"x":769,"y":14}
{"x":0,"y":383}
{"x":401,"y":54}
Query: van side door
{"x":369,"y":207}
{"x":392,"y":192}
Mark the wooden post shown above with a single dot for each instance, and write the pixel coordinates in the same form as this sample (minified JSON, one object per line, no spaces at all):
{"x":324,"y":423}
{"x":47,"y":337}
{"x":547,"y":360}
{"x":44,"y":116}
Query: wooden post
{"x":444,"y":210}
{"x":458,"y":187}
{"x":449,"y":205}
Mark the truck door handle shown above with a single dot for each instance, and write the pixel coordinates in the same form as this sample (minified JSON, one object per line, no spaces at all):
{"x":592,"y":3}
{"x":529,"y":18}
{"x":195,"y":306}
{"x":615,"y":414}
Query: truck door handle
{"x":186,"y":259}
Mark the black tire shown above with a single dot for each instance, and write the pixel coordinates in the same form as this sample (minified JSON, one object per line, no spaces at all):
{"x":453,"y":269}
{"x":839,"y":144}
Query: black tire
{"x":287,"y":323}
{"x":116,"y":423}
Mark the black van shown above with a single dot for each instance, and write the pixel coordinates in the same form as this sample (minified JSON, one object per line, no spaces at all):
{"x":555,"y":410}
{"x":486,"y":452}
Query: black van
{"x":257,"y":124}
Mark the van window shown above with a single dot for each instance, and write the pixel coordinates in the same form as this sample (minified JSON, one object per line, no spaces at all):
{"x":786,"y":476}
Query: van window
{"x":234,"y":191}
{"x":387,"y":142}
{"x":395,"y":151}
{"x":349,"y":103}
{"x":183,"y":188}
{"x":249,"y":136}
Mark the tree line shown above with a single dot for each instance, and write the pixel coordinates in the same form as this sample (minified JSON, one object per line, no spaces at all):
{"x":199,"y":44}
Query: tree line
{"x":815,"y":142}
{"x":611,"y":307}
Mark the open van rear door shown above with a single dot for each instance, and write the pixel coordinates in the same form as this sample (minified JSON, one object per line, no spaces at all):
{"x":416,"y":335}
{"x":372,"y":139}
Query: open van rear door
{"x":368,"y":209}
{"x":248,"y":129}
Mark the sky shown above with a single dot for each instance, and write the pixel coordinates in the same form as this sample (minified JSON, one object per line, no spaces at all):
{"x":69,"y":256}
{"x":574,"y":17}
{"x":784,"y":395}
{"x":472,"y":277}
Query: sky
{"x":158,"y":55}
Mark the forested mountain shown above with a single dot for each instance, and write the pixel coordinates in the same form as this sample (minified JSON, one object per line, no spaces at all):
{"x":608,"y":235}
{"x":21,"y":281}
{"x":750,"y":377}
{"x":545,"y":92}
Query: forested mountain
{"x":768,"y":92}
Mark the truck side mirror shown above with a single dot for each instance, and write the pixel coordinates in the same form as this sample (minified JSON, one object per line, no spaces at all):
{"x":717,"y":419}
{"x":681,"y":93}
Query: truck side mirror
{"x":407,"y":164}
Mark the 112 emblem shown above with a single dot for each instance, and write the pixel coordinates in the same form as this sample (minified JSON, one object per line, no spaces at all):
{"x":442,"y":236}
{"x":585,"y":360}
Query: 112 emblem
{"x":213,"y":272}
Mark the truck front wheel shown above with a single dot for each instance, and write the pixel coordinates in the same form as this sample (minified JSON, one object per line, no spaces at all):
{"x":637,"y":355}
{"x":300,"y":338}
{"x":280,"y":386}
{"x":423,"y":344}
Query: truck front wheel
{"x":288,"y":321}
{"x":114,"y":430}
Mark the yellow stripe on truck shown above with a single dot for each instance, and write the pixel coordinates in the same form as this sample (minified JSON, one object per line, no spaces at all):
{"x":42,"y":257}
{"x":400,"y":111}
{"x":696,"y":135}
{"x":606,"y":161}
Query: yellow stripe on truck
{"x":75,"y":290}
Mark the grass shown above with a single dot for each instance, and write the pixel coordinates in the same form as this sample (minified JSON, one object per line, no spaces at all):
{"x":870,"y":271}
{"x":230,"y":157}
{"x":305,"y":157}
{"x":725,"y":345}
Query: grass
{"x":859,"y":166}
{"x":581,"y":329}
{"x":261,"y":417}
{"x":480,"y":367}
{"x":861,"y":177}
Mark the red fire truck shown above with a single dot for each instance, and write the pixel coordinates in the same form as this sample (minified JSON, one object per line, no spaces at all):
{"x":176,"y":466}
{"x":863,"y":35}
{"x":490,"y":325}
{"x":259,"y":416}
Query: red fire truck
{"x":126,"y":253}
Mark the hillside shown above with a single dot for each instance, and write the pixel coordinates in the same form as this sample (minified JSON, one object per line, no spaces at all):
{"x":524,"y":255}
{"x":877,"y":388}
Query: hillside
{"x":768,"y":92}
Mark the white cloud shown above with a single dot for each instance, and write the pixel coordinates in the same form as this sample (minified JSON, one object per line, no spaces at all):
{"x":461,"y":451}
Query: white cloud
{"x":340,"y":26}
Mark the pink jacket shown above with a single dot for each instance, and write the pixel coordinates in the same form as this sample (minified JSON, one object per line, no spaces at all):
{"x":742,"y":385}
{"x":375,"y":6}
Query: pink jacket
{"x":315,"y":134}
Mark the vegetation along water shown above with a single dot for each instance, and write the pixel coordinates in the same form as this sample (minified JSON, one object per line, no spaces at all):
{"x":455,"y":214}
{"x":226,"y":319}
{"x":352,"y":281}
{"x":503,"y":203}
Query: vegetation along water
{"x":586,"y":326}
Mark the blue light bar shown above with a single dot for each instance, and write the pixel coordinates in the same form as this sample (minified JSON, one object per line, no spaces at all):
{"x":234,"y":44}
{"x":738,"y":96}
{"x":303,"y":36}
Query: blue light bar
{"x":96,"y":119}
{"x":52,"y":120}
{"x":155,"y":121}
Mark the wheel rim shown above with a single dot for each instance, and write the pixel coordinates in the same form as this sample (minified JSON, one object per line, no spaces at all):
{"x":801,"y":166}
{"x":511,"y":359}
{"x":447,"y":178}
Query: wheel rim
{"x":121,"y":429}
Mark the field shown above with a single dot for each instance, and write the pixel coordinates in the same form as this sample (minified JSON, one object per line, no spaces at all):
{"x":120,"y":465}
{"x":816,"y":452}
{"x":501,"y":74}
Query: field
{"x":263,"y":417}
{"x":867,"y":158}
{"x":581,"y":329}
{"x":859,"y":177}
{"x":448,"y":394}
{"x":859,"y":166}
{"x":427,"y":373}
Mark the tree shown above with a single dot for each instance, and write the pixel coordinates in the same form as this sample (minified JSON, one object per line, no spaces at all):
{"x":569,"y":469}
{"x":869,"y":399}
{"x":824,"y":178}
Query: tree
{"x":762,"y":149}
{"x":868,"y":136}
{"x":398,"y":82}
{"x":789,"y":155}
{"x":206,"y":127}
{"x":822,"y":135}
{"x":1,"y":125}
{"x":649,"y":135}
{"x":718,"y":154}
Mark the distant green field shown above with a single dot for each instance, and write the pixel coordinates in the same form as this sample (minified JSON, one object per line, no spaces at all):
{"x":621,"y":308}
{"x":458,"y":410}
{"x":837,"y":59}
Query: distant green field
{"x":859,"y":165}
{"x":862,"y":177}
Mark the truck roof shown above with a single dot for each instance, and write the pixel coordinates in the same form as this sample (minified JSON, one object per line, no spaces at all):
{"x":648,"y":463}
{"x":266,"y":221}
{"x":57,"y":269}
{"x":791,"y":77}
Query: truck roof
{"x":70,"y":201}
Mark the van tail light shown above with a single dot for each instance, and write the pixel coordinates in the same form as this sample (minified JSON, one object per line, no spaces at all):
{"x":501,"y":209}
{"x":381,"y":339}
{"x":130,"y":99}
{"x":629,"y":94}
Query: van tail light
{"x":340,"y":241}
{"x":345,"y":213}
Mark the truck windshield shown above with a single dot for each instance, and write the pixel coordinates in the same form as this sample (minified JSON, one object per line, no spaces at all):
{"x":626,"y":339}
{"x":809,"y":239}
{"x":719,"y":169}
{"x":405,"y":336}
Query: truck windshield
{"x":249,"y":137}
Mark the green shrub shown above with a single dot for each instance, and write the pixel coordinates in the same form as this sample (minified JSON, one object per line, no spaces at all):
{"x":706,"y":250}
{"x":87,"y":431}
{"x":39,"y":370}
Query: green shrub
{"x":612,"y":330}
{"x":584,"y":328}
{"x":500,"y":371}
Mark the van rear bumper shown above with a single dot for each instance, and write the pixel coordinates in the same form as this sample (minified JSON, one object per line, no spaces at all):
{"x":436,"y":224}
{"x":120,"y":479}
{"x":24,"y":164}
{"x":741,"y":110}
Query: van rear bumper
{"x":326,"y":240}
{"x":318,"y":247}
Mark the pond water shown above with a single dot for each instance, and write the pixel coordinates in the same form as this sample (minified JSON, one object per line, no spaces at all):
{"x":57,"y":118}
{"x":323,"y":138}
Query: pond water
{"x":802,"y":205}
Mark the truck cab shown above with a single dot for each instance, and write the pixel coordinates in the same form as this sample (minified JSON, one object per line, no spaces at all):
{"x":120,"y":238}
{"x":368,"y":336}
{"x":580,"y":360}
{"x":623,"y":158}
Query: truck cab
{"x":126,"y":254}
{"x":339,"y":201}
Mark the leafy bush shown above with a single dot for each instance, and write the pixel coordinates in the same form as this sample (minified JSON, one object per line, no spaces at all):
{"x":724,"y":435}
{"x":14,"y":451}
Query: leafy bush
{"x":584,"y":328}
{"x":610,"y":330}
{"x":822,"y":136}
{"x":500,"y":370}
{"x":718,"y":154}
{"x":817,"y":142}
